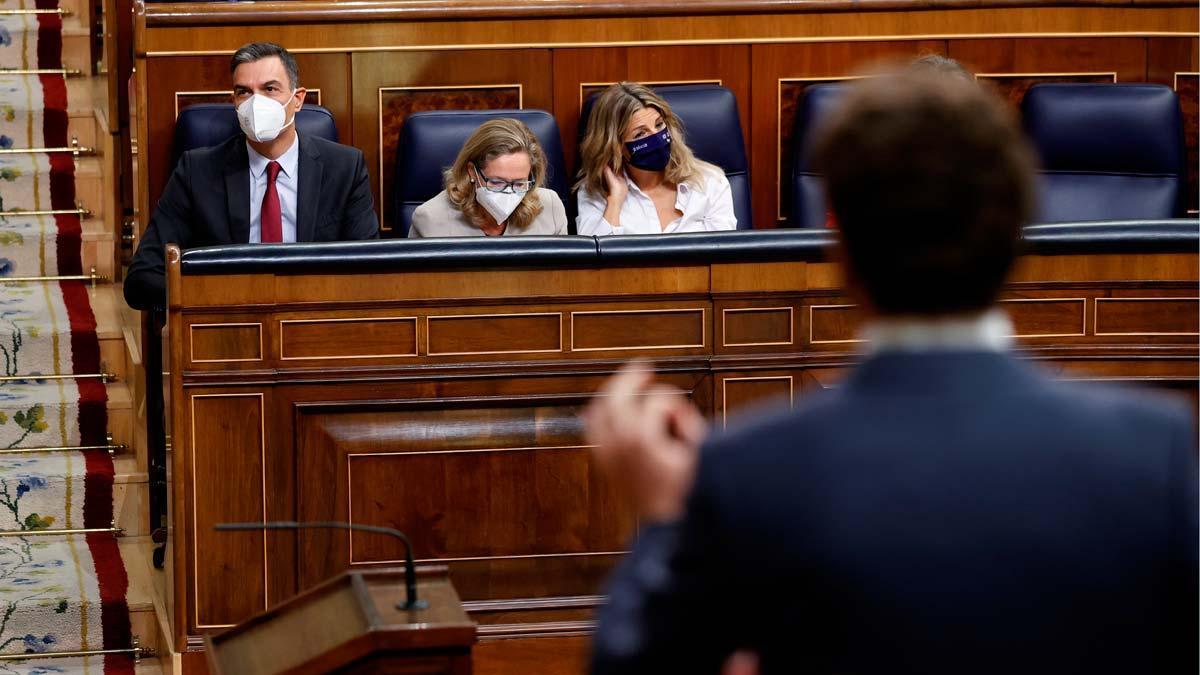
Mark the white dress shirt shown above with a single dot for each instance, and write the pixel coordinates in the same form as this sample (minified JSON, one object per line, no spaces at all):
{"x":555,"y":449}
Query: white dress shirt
{"x":707,"y":207}
{"x":285,"y":184}
{"x":986,"y":331}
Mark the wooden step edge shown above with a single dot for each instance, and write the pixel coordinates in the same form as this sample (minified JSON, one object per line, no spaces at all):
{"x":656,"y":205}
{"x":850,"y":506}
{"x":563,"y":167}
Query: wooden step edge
{"x":95,"y":229}
{"x":126,"y":469}
{"x":136,"y":554}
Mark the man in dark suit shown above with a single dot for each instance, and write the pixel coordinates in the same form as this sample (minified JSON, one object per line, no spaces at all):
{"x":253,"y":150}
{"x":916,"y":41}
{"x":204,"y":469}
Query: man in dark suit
{"x":947,"y":508}
{"x":270,"y":185}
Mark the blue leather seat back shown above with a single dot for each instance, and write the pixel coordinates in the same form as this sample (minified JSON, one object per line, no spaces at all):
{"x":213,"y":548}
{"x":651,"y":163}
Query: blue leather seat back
{"x":817,"y":104}
{"x":1108,"y":151}
{"x":204,"y":125}
{"x":430,"y":142}
{"x":713,"y":130}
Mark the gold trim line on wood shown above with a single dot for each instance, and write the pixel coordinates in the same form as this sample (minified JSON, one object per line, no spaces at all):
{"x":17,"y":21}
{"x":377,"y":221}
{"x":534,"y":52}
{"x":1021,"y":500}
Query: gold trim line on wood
{"x":416,"y":341}
{"x":429,"y":338}
{"x":350,"y":482}
{"x":656,"y":83}
{"x":1096,"y":317}
{"x":665,"y":310}
{"x":671,"y":43}
{"x":192,"y":343}
{"x":811,"y":341}
{"x":224,"y":92}
{"x":791,"y":326}
{"x":424,"y":87}
{"x":725,"y":392}
{"x":1083,"y":317}
{"x":1175,"y":79}
{"x":262,"y":412}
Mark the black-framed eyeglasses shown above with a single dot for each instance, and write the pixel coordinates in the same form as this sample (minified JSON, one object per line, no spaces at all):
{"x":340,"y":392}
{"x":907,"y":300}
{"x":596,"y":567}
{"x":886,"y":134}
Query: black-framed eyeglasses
{"x":500,"y":185}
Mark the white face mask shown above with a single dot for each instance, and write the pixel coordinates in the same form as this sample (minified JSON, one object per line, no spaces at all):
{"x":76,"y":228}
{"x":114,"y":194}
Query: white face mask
{"x":499,"y":204}
{"x":263,"y":118}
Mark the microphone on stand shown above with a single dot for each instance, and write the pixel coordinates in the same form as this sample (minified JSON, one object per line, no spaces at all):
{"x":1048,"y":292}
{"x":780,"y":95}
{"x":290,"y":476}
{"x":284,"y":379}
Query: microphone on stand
{"x":410,"y":569}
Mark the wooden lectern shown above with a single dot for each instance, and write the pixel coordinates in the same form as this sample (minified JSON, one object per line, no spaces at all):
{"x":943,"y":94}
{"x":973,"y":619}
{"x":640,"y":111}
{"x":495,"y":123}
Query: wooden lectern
{"x":352,"y":623}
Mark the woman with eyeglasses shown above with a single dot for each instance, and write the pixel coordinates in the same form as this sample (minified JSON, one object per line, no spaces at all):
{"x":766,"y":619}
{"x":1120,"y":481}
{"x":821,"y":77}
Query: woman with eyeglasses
{"x":493,"y":189}
{"x":640,"y":177}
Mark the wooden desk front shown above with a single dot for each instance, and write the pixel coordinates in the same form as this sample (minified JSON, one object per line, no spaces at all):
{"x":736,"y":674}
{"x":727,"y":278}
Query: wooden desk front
{"x":444,"y":403}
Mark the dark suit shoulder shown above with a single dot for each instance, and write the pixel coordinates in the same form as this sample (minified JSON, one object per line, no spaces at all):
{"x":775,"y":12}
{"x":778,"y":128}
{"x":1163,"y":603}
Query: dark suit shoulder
{"x":332,"y":150}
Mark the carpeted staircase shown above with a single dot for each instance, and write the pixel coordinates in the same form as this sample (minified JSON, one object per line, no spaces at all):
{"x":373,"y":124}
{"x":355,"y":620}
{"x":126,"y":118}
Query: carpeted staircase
{"x":63,"y":582}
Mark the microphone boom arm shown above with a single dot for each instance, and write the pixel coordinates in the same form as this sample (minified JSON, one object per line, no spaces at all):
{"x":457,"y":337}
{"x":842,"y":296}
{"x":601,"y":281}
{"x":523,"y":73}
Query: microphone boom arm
{"x":410,"y":573}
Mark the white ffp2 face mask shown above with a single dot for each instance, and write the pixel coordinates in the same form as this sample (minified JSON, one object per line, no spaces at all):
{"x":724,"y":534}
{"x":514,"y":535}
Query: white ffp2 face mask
{"x":263,"y":118}
{"x":499,"y":204}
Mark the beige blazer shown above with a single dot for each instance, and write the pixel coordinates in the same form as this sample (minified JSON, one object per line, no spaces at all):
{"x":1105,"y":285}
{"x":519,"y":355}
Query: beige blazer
{"x":439,"y":218}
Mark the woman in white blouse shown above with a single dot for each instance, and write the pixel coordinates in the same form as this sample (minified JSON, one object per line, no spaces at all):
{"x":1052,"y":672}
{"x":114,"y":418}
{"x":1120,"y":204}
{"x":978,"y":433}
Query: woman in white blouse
{"x":640,"y":177}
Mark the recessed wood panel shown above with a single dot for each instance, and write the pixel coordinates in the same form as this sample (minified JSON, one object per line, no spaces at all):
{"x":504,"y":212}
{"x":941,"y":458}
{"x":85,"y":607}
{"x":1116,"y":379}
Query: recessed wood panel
{"x":757,"y":326}
{"x":227,"y":487}
{"x":542,"y":655}
{"x":480,"y":503}
{"x":1050,"y":317}
{"x":216,"y":342}
{"x":1147,"y":316}
{"x":740,"y":392}
{"x":389,"y":86}
{"x":376,"y":337}
{"x":831,"y":324}
{"x":637,"y":329}
{"x":495,"y":334}
{"x":781,"y":73}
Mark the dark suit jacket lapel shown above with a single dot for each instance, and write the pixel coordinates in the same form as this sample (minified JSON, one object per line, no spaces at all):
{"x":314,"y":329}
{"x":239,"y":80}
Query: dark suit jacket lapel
{"x":237,"y":191}
{"x":308,"y":196}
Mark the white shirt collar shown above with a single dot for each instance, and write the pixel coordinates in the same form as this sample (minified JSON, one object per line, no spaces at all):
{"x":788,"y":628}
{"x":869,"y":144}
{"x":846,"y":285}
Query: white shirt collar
{"x":986,"y":331}
{"x":287,"y":161}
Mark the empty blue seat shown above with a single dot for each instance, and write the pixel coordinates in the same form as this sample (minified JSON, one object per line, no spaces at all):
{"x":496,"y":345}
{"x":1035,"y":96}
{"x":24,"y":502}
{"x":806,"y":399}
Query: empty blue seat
{"x":204,"y":125}
{"x":430,"y":142}
{"x":713,"y":130}
{"x":1108,"y":151}
{"x":808,"y":189}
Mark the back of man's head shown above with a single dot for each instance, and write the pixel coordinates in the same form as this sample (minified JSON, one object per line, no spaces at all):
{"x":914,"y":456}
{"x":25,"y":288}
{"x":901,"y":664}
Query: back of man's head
{"x":930,"y":181}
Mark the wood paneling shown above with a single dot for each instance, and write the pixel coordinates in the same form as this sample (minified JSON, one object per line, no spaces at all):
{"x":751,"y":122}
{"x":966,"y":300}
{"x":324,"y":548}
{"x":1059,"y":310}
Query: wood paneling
{"x":741,"y":391}
{"x":649,"y":329}
{"x":780,"y":72}
{"x":580,"y":71}
{"x":377,"y":337}
{"x":771,"y":326}
{"x":504,"y":32}
{"x":1175,"y":62}
{"x":560,"y":656}
{"x":1147,"y":316}
{"x":495,"y":334}
{"x":1047,"y":317}
{"x":834,"y":323}
{"x":222,"y":342}
{"x":227,"y":482}
{"x":390,"y":85}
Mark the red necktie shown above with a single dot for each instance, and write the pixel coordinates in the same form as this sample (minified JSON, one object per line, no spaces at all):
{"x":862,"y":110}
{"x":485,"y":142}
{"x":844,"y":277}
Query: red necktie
{"x":270,"y":217}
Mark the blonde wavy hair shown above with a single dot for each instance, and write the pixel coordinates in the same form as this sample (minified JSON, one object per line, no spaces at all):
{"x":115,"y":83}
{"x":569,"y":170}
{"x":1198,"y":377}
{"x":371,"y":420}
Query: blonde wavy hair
{"x":603,"y":144}
{"x":493,"y":139}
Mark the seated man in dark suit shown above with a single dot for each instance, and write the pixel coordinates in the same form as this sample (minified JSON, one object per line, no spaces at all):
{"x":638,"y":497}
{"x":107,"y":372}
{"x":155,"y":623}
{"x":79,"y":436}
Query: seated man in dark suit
{"x":272,"y":185}
{"x":947,"y":508}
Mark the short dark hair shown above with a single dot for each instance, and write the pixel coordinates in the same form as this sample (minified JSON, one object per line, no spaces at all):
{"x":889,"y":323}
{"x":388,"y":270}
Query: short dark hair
{"x":930,"y":181}
{"x":257,"y":51}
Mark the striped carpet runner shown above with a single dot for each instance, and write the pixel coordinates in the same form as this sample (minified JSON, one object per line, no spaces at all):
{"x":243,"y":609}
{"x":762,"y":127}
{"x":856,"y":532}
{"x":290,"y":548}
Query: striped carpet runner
{"x":60,"y":590}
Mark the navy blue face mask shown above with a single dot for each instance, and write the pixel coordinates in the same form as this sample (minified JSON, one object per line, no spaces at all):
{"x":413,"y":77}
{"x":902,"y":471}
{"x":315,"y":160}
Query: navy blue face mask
{"x":651,"y":153}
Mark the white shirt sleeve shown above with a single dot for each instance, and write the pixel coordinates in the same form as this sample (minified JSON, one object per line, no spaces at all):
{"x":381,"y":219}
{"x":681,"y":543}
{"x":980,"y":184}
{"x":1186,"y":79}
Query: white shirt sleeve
{"x":720,"y":215}
{"x":590,"y":220}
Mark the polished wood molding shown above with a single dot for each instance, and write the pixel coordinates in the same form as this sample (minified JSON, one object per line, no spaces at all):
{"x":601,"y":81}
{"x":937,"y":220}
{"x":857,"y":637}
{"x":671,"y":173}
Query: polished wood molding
{"x":281,"y":11}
